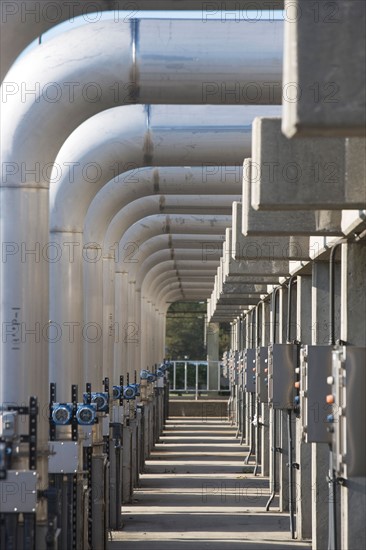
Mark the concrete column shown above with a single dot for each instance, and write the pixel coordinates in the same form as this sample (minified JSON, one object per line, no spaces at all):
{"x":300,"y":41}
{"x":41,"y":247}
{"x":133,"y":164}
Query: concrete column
{"x":273,"y":473}
{"x":213,"y":353}
{"x":282,"y":415}
{"x":320,"y":451}
{"x":265,"y":428}
{"x":353,"y":286}
{"x":243,"y":333}
{"x":246,"y":396}
{"x":302,"y":449}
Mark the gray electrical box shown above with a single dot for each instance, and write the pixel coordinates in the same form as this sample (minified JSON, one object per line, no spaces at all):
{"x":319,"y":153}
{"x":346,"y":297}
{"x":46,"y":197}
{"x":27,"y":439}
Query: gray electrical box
{"x":282,"y":363}
{"x":8,"y":425}
{"x":65,"y":457}
{"x":315,"y":367}
{"x":18,"y":492}
{"x":249,"y":370}
{"x":262,"y":374}
{"x":347,"y":424}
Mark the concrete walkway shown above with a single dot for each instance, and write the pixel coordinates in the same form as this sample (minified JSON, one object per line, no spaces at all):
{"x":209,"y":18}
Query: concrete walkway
{"x":196,"y":493}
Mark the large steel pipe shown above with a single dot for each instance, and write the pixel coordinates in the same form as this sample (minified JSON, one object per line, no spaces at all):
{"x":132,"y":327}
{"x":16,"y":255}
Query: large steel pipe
{"x":28,"y":156}
{"x":21,"y":21}
{"x":158,"y":181}
{"x":108,"y":206}
{"x":116,"y":315}
{"x":122,"y":138}
{"x":140,"y":233}
{"x":61,"y":93}
{"x":135,"y":236}
{"x":94,"y":312}
{"x":182,"y":257}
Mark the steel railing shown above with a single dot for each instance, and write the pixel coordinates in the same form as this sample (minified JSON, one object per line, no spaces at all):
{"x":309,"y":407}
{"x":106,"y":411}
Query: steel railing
{"x":198,"y":377}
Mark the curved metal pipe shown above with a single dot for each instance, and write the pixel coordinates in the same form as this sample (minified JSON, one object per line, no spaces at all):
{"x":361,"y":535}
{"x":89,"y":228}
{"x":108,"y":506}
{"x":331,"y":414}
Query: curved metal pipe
{"x":22,"y":23}
{"x":171,"y":276}
{"x":184,"y":295}
{"x":160,"y":284}
{"x":140,"y":232}
{"x":146,"y":207}
{"x":186,"y":286}
{"x":149,"y":231}
{"x":148,"y":136}
{"x":154,"y":353}
{"x":160,"y":269}
{"x":140,"y":235}
{"x":30,"y":151}
{"x":156,"y":258}
{"x":135,"y":136}
{"x":99,"y":137}
{"x":93,"y":311}
{"x":142,"y":208}
{"x":152,"y":259}
{"x":62,"y":101}
{"x":155,"y":181}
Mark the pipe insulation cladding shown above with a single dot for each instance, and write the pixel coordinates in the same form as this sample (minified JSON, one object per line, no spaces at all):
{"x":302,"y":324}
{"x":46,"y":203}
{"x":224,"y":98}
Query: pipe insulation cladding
{"x":60,"y":84}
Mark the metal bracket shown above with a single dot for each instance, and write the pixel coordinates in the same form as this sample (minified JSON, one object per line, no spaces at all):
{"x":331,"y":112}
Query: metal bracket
{"x":64,"y":457}
{"x":18,"y":492}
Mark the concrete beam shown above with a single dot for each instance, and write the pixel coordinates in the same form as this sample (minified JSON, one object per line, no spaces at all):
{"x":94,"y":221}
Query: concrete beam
{"x":277,"y":223}
{"x":255,"y":279}
{"x":278,"y":248}
{"x":324,"y":69}
{"x":250,"y":266}
{"x":308,"y":174}
{"x":238,"y":289}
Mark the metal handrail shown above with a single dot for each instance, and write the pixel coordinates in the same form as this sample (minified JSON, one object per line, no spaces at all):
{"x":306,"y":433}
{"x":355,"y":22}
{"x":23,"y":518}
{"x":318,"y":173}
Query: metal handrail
{"x":198,"y":381}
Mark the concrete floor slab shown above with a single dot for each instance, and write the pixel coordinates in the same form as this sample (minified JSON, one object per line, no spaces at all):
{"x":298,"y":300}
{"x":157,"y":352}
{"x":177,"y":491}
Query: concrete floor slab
{"x":196,"y":493}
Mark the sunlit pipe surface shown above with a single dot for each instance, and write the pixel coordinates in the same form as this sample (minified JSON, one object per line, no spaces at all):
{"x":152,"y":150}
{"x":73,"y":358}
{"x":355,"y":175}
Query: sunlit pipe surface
{"x":31,"y":148}
{"x":119,"y":138}
{"x":136,"y":40}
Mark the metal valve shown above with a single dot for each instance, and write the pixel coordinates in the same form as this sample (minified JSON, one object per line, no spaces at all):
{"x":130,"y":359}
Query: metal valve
{"x":130,"y":391}
{"x":62,"y":413}
{"x":147,"y":375}
{"x":101,"y":400}
{"x":116,"y":392}
{"x":86,"y":414}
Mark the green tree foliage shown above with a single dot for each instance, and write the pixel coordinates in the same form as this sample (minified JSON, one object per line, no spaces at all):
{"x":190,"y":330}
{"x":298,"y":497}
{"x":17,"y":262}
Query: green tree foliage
{"x":185,"y":331}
